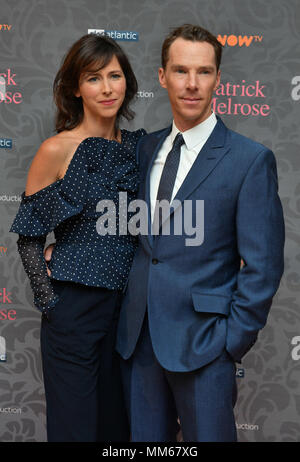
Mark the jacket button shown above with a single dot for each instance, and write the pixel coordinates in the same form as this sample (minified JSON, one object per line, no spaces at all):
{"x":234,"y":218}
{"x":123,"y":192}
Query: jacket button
{"x":154,"y":261}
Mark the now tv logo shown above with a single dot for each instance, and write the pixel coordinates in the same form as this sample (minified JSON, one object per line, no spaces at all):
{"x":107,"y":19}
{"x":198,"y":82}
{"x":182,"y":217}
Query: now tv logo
{"x":239,"y":40}
{"x":5,"y":26}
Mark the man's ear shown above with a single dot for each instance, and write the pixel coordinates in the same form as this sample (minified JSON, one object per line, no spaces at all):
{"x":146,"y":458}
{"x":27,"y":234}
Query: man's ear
{"x":218,"y":80}
{"x":162,"y":77}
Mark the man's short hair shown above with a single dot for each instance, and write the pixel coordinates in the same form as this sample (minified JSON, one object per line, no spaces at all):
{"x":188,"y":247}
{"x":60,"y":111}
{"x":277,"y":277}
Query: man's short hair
{"x":194,"y":34}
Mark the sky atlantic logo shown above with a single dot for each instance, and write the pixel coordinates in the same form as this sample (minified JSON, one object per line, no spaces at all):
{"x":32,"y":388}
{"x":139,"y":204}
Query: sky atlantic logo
{"x":240,"y":373}
{"x":5,"y":143}
{"x":121,"y":35}
{"x":239,"y":40}
{"x":295,"y":94}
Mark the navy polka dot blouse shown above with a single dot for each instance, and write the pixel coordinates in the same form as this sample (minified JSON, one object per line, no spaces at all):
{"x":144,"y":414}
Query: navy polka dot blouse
{"x":99,"y":170}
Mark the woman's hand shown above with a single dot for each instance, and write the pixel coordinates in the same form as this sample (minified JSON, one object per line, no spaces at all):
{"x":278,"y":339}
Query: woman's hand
{"x":48,"y":254}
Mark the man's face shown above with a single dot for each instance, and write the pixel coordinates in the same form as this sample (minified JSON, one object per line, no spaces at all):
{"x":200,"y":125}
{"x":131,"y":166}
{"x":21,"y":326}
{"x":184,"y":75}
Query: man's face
{"x":190,"y":78}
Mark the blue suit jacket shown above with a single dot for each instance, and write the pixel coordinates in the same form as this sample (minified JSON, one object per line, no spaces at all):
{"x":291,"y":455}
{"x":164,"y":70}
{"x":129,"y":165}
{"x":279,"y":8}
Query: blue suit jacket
{"x":198,"y":299}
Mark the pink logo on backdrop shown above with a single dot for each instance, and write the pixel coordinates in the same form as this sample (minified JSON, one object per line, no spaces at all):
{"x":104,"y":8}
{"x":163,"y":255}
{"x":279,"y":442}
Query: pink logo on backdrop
{"x":8,"y":93}
{"x":229,"y":99}
{"x":5,"y":296}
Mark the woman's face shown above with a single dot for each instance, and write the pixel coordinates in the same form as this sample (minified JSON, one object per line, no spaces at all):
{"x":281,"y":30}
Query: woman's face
{"x":103,"y":91}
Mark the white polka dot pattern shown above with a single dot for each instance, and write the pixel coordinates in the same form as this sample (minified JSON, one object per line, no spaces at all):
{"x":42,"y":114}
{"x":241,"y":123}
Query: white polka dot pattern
{"x":99,"y":170}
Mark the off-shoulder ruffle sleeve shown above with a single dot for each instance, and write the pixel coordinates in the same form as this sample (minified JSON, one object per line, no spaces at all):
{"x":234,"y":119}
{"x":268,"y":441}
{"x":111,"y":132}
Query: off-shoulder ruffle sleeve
{"x":41,"y":212}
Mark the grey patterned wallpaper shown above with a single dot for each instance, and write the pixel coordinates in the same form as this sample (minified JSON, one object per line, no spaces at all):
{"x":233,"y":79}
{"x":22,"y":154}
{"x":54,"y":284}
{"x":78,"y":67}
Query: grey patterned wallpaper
{"x":259,"y":97}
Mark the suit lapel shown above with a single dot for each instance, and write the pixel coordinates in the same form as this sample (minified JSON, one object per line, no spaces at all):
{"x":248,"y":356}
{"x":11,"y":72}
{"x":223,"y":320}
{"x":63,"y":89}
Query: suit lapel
{"x":208,"y":158}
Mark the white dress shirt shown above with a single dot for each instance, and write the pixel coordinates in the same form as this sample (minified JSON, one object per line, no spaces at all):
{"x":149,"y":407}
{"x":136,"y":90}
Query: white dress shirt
{"x":194,"y":140}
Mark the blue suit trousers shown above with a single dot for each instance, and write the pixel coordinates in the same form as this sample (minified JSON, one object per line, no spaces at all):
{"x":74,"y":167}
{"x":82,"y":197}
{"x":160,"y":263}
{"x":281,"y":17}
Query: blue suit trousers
{"x":201,"y":400}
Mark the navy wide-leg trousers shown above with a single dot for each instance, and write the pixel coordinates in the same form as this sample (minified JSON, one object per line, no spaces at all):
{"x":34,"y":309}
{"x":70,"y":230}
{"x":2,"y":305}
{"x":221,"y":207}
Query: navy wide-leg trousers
{"x":84,"y":395}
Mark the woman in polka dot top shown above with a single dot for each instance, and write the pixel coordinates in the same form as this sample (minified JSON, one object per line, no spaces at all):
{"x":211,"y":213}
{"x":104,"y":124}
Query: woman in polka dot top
{"x":90,"y":159}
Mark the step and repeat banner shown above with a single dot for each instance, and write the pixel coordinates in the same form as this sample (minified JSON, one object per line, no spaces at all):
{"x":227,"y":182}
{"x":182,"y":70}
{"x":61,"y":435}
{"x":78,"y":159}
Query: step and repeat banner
{"x":259,"y":96}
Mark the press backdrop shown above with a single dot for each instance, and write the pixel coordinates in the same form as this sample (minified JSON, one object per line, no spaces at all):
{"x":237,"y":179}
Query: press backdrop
{"x":259,"y":97}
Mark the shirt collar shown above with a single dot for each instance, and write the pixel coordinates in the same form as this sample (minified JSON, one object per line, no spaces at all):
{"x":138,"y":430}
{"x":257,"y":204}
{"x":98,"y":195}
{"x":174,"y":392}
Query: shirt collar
{"x":197,"y":134}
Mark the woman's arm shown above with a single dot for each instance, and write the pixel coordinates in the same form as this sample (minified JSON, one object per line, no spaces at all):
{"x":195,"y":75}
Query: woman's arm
{"x":32,"y":256}
{"x":44,"y":170}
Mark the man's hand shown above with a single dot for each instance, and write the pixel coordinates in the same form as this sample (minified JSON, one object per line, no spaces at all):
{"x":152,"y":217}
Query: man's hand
{"x":48,"y":254}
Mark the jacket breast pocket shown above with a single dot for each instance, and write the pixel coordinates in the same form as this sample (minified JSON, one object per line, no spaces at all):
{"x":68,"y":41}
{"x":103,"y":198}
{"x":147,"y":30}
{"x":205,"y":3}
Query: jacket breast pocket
{"x":211,"y":303}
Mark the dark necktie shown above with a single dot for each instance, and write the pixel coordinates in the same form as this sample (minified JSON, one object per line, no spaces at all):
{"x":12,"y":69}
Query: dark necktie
{"x":167,"y":180}
{"x":168,"y":176}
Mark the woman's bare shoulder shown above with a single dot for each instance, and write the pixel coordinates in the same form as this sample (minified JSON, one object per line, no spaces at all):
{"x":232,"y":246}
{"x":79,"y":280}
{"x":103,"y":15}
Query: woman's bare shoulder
{"x":49,"y":163}
{"x":59,"y":145}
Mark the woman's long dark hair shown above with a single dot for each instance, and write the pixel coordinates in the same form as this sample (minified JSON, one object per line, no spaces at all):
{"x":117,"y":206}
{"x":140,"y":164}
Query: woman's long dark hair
{"x":90,"y":52}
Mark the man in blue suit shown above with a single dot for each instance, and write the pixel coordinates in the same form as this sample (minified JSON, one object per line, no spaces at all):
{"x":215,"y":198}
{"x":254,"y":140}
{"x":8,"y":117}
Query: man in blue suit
{"x":191,"y":311}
